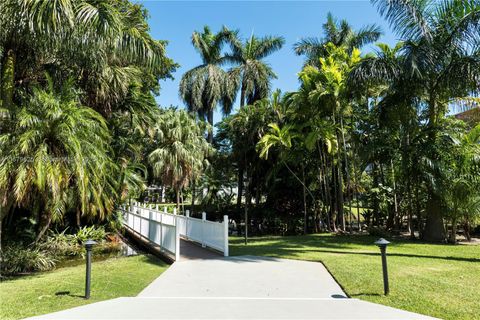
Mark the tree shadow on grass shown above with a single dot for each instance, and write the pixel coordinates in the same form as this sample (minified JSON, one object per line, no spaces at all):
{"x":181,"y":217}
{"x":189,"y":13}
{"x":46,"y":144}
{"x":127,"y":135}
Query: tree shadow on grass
{"x":366,"y":294}
{"x":67,"y":293}
{"x":408,"y":255}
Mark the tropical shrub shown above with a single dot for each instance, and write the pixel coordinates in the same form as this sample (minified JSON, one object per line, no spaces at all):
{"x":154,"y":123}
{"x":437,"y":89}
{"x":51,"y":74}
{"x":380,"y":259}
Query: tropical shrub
{"x":19,"y":259}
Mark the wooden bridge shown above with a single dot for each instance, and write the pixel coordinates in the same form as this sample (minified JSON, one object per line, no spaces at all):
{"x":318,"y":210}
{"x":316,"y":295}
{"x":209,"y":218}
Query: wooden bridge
{"x":177,"y":236}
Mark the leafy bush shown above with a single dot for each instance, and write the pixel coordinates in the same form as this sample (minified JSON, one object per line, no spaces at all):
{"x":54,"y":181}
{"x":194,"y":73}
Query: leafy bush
{"x":63,"y":244}
{"x":93,"y":232}
{"x":115,"y":221}
{"x":18,"y":259}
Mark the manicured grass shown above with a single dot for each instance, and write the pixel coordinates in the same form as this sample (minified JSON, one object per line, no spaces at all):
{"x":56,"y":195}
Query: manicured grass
{"x":64,"y":288}
{"x":437,"y":280}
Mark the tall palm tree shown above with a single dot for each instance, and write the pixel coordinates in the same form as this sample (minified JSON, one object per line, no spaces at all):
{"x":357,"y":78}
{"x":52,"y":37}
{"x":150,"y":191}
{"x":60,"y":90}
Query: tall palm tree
{"x":181,"y":152}
{"x":340,"y":34}
{"x":441,"y":63}
{"x":57,"y":151}
{"x":105,"y":45}
{"x":254,"y":74}
{"x":207,"y":85}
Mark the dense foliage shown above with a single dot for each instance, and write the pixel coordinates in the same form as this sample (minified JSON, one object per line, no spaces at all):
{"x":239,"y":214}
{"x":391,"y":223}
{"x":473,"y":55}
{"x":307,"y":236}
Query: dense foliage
{"x":365,"y":142}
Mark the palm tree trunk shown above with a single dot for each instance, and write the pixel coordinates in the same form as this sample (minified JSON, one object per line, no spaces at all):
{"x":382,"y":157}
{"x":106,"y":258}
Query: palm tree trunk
{"x":240,"y":185}
{"x":334,"y":204}
{"x":304,"y":202}
{"x":242,"y":94}
{"x":453,"y":235}
{"x":78,"y":218}
{"x":247,"y":202}
{"x":349,"y":198}
{"x":434,"y":229}
{"x":466,"y":230}
{"x":323,"y":185}
{"x":210,"y":121}
{"x":8,"y":80}
{"x":44,"y":229}
{"x":177,"y":192}
{"x":395,"y":203}
{"x":193,"y":197}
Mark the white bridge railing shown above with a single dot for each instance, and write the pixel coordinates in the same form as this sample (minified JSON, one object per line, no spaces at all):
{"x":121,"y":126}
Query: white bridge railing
{"x":165,"y":229}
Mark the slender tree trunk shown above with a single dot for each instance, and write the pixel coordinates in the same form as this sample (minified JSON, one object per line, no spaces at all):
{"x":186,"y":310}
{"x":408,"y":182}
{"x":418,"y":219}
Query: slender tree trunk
{"x":177,"y":192}
{"x":349,"y":198}
{"x":247,"y":202}
{"x":240,"y":163}
{"x":79,"y":218}
{"x":243,"y":91}
{"x":182,"y":201}
{"x":240,"y":185}
{"x":466,"y":230}
{"x":323,"y":187}
{"x":210,"y":130}
{"x":453,"y":234}
{"x":340,"y":200}
{"x":193,"y":196}
{"x":395,"y":203}
{"x":8,"y":80}
{"x":334,"y":200}
{"x":410,"y":209}
{"x":304,"y":202}
{"x":326,"y":183}
{"x":44,"y":229}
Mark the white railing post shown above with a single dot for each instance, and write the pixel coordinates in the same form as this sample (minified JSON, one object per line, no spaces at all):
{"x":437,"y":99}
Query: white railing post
{"x":156,"y":207}
{"x":174,"y":211}
{"x":141,"y":222}
{"x":165,"y":209}
{"x":150,"y":218}
{"x":161,"y":232}
{"x":177,"y":241}
{"x":204,"y":218}
{"x":225,"y":235}
{"x":187,"y":216}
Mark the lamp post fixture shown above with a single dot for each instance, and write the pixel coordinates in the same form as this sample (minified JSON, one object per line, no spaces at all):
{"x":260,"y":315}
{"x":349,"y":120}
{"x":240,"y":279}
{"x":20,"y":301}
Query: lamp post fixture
{"x":88,"y":246}
{"x":382,"y":244}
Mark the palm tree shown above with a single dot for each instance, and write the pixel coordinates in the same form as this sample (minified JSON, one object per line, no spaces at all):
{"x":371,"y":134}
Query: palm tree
{"x":244,"y":130}
{"x":57,"y":159}
{"x":181,"y":152}
{"x":254,"y":74}
{"x":441,"y":62}
{"x":207,"y":85}
{"x":106,"y":46}
{"x":340,"y":34}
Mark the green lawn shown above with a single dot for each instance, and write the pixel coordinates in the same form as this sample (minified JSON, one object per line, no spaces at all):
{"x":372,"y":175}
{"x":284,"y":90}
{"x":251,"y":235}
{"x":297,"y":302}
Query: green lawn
{"x":64,"y":288}
{"x":438,"y":280}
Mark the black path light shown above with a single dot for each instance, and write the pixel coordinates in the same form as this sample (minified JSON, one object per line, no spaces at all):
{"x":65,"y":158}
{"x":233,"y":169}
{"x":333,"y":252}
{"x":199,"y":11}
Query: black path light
{"x":382,"y":244}
{"x":88,"y":246}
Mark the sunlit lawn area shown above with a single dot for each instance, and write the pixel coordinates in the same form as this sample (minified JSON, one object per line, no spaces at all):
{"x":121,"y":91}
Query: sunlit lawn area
{"x":438,"y":280}
{"x":64,"y":288}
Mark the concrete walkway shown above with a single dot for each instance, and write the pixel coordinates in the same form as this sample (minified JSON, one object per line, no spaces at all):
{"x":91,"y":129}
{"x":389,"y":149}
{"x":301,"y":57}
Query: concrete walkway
{"x":243,"y":287}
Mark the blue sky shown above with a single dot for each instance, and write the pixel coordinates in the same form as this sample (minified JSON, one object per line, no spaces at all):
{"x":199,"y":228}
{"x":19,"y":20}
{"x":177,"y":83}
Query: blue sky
{"x":176,"y":20}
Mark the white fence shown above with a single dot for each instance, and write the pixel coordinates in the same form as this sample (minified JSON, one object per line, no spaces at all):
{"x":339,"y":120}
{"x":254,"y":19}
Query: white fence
{"x":165,"y":229}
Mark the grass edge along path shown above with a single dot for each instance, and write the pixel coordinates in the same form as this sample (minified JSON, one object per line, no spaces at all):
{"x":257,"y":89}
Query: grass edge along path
{"x":442,"y":281}
{"x":63,"y":288}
